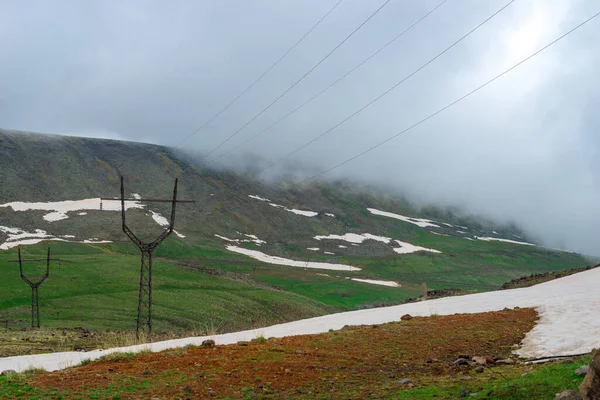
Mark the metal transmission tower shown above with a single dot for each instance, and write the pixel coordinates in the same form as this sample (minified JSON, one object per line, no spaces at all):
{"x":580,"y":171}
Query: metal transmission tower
{"x":35,"y":301}
{"x":144,"y":316}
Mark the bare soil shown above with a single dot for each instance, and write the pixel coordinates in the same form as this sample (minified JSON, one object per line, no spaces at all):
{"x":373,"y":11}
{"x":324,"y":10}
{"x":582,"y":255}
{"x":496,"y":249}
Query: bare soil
{"x":363,"y":361}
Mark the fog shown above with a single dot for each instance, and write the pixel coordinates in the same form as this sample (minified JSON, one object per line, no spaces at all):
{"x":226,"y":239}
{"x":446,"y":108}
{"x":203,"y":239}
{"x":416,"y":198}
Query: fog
{"x":523,"y":148}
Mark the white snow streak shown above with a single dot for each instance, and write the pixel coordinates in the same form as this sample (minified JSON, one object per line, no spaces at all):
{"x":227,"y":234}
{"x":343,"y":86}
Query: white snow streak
{"x":421,"y":222}
{"x":355,"y":237}
{"x":253,"y":196}
{"x":257,"y":255}
{"x":375,"y":282}
{"x":489,"y":239}
{"x":407,"y":248}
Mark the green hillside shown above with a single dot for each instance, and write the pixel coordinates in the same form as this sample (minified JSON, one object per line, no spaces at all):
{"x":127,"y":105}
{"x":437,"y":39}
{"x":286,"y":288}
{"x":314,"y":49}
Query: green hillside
{"x":197,"y":280}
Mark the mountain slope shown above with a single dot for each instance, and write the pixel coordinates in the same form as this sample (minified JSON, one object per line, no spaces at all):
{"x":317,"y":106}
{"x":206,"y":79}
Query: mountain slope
{"x":373,"y":246}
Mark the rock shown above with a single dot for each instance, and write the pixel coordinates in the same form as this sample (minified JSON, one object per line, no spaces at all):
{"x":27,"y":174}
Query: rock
{"x":582,"y":371}
{"x":489,"y":359}
{"x":242,"y":343}
{"x":406,"y":317}
{"x":8,"y":372}
{"x":479,"y":369}
{"x":590,"y":387}
{"x":568,"y":362}
{"x":480,"y":360}
{"x":211,"y":392}
{"x":433,"y":361}
{"x":403,"y":381}
{"x":461,"y":361}
{"x":507,"y":361}
{"x":147,"y":372}
{"x":287,"y":371}
{"x":465,"y":356}
{"x":208,"y":343}
{"x":568,"y":395}
{"x":496,"y":359}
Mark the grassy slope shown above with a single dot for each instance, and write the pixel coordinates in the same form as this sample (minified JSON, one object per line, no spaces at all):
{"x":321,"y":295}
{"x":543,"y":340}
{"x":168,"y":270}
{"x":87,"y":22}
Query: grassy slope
{"x":96,"y":289}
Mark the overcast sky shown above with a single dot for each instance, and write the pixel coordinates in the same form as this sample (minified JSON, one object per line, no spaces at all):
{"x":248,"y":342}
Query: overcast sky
{"x":524,"y":148}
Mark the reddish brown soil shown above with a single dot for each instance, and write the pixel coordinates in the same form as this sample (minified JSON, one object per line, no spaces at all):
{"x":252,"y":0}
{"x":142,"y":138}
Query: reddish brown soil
{"x":354,"y":362}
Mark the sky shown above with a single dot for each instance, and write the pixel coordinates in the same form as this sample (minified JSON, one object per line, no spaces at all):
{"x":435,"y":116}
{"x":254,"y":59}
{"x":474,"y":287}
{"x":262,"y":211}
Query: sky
{"x":524,"y":148}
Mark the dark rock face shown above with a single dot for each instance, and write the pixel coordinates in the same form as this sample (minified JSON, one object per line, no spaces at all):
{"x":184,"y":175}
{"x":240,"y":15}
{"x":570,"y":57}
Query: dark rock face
{"x":590,"y":387}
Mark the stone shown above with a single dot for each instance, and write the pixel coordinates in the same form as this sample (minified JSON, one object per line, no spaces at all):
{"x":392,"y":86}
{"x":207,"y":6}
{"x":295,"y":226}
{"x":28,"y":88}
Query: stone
{"x":479,"y":369}
{"x":489,"y":359}
{"x":8,"y":372}
{"x":590,"y":387}
{"x":465,"y":356}
{"x":406,"y":317}
{"x":582,"y":371}
{"x":461,"y":361}
{"x":497,"y":358}
{"x":505,"y":361}
{"x":480,"y":360}
{"x":568,"y":395}
{"x":403,"y":381}
{"x":208,"y":343}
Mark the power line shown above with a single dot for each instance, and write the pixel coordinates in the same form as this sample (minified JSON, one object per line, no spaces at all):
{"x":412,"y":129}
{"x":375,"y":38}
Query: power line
{"x":388,"y":90}
{"x":298,"y":81}
{"x":452,"y":103}
{"x":334,"y":83}
{"x":262,"y":75}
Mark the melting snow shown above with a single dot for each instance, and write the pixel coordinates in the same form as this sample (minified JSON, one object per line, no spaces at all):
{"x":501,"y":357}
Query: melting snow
{"x":461,"y":232}
{"x":341,"y":246}
{"x":406,"y":248}
{"x":422,"y":222}
{"x":375,"y":282}
{"x":257,"y":255}
{"x":439,"y":234}
{"x":253,"y":239}
{"x":489,"y":239}
{"x":295,"y":211}
{"x":568,"y":324}
{"x":355,"y":237}
{"x":253,"y":196}
{"x":328,"y":252}
{"x":313,"y":248}
{"x":330,"y":215}
{"x":451,"y":226}
{"x":18,"y":237}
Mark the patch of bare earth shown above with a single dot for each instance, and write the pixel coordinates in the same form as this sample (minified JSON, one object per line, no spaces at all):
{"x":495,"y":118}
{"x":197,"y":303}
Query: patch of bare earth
{"x":363,"y":361}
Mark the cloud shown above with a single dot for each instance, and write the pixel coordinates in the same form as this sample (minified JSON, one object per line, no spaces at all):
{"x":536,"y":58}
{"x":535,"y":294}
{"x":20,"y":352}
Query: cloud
{"x":524,"y":148}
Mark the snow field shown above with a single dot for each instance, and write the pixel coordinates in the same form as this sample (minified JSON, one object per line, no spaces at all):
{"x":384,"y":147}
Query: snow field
{"x":568,"y":323}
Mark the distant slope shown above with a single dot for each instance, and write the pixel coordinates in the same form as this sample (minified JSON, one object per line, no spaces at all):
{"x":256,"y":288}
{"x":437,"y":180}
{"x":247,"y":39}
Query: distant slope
{"x":241,"y":225}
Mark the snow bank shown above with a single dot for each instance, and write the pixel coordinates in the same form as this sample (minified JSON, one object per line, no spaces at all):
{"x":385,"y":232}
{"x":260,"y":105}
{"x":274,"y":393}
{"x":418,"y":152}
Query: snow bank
{"x":305,"y":213}
{"x":355,"y":238}
{"x":489,"y":239}
{"x":257,"y":255}
{"x":422,"y":222}
{"x":375,"y":282}
{"x":59,"y":209}
{"x":20,"y":237}
{"x":568,"y":324}
{"x":407,"y":248}
{"x":255,"y":197}
{"x":253,"y":239}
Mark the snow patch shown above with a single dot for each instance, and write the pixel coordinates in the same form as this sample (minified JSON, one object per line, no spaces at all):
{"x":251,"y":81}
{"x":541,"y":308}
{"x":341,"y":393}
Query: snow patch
{"x":341,"y":246}
{"x":295,"y":211}
{"x":328,"y":252}
{"x":489,"y":239}
{"x":375,"y":282}
{"x":407,"y":248}
{"x":256,"y":197}
{"x":20,"y":237}
{"x":568,"y":323}
{"x":257,"y":255}
{"x":421,"y":222}
{"x":355,"y":238}
{"x":253,"y":239}
{"x":313,"y":248}
{"x":330,"y":215}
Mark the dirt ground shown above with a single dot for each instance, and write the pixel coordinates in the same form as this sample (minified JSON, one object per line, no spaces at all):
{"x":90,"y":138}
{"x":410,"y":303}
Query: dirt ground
{"x":364,"y":361}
